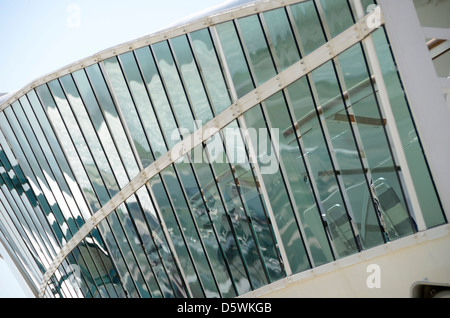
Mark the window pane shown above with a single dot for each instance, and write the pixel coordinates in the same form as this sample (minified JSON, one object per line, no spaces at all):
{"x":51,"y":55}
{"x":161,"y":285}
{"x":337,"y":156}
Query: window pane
{"x":317,"y":152}
{"x":128,"y":110}
{"x":370,"y":125}
{"x":191,"y":77}
{"x":308,"y":26}
{"x":235,"y":58}
{"x":256,"y":45}
{"x":282,"y":38}
{"x":211,"y":70}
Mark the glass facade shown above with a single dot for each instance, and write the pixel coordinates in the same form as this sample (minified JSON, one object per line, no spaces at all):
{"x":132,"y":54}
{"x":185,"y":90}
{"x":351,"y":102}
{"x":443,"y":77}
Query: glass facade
{"x":303,"y":178}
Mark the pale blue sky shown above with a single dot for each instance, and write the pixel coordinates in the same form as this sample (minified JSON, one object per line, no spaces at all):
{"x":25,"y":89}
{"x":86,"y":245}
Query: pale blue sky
{"x":40,"y":36}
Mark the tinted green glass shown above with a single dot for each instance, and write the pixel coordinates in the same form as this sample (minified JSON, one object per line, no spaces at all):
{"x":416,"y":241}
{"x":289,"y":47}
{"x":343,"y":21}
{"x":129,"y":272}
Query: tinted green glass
{"x":191,"y":78}
{"x":308,"y":26}
{"x":159,"y":97}
{"x":112,"y":119}
{"x":211,"y":70}
{"x":423,"y":183}
{"x":252,"y":200}
{"x":255,"y":43}
{"x":276,"y":190}
{"x":282,"y":39}
{"x":235,"y":58}
{"x":346,"y":152}
{"x":177,"y":237}
{"x":175,"y":89}
{"x":317,"y":152}
{"x":297,"y":178}
{"x":221,"y":224}
{"x":157,"y":247}
{"x":203,"y":223}
{"x":128,"y":110}
{"x":143,"y":104}
{"x":370,"y":125}
{"x":338,"y":16}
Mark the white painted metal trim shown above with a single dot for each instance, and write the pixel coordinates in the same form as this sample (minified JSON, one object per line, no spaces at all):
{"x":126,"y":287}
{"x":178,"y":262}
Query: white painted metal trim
{"x":367,"y":255}
{"x":422,"y":88}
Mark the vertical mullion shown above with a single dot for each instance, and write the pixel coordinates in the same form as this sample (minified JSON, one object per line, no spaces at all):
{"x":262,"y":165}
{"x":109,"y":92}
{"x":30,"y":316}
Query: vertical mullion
{"x":220,"y":192}
{"x":148,"y":140}
{"x":47,"y":162}
{"x":108,"y":226}
{"x":83,"y":133}
{"x":273,"y":142}
{"x":234,"y":97}
{"x":214,"y":113}
{"x":174,"y":165}
{"x":354,"y":128}
{"x":391,"y":127}
{"x":131,"y":143}
{"x":63,"y":152}
{"x":326,"y":135}
{"x":17,"y":207}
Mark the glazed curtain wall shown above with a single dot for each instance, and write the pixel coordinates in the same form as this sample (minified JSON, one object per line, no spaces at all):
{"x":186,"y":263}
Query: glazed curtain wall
{"x":219,"y":226}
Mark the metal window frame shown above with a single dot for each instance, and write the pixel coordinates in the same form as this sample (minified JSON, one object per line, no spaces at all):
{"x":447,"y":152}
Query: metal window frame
{"x":351,"y":36}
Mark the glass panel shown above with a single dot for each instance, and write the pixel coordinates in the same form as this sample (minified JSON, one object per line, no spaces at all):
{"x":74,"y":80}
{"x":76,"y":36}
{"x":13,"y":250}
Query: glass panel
{"x":308,"y":26}
{"x":143,"y":104}
{"x":423,"y":183}
{"x":211,"y":69}
{"x":346,"y":152}
{"x":58,"y":153}
{"x":371,"y":128}
{"x":136,"y":257}
{"x":158,"y":249}
{"x":190,"y":231}
{"x":191,"y":78}
{"x":97,"y":197}
{"x":233,"y":191}
{"x":202,"y":220}
{"x":282,"y":39}
{"x":276,"y":190}
{"x":159,"y":98}
{"x":255,"y":43}
{"x":322,"y":168}
{"x":111,"y":116}
{"x":221,"y":224}
{"x":175,"y":90}
{"x":235,"y":58}
{"x":177,"y":237}
{"x":248,"y":187}
{"x":90,"y":112}
{"x":298,"y":179}
{"x":128,"y":110}
{"x":338,"y":15}
{"x":91,"y":138}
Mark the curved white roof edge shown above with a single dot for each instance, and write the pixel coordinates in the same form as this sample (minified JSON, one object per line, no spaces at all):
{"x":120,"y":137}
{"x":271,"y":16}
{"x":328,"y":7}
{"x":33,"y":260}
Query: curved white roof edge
{"x":229,"y":10}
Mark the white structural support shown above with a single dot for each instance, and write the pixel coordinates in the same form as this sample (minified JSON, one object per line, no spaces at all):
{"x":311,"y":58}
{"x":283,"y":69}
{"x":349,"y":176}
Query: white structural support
{"x":328,"y":51}
{"x":422,"y":87}
{"x":390,"y":125}
{"x":353,"y":276}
